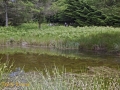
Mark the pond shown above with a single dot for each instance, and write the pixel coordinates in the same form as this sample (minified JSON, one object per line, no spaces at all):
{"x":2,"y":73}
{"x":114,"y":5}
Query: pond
{"x":33,"y":58}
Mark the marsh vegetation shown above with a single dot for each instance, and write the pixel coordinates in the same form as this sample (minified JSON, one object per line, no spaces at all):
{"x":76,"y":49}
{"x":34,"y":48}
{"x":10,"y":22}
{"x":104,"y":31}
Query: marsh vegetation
{"x":83,"y":38}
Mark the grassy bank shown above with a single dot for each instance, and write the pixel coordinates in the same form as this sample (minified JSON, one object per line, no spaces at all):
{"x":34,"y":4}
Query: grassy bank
{"x":84,"y":38}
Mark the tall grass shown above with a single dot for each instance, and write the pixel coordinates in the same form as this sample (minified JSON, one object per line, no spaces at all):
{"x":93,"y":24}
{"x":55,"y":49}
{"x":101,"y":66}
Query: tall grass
{"x":5,"y":68}
{"x":70,"y":81}
{"x":60,"y":80}
{"x":88,"y":38}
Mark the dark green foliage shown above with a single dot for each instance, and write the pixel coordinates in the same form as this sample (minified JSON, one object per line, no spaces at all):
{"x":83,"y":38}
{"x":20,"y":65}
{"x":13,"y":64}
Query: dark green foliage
{"x":108,"y":7}
{"x":113,"y":20}
{"x":73,"y":12}
{"x":2,"y":20}
{"x":80,"y":13}
{"x":20,"y":11}
{"x":17,"y":12}
{"x":96,"y":18}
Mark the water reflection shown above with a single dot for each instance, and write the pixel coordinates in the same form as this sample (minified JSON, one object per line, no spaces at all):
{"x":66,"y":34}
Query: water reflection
{"x":36,"y":57}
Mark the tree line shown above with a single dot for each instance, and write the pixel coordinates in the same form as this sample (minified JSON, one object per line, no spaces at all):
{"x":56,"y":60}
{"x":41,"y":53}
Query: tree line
{"x":73,"y":12}
{"x":84,"y":13}
{"x":16,"y":12}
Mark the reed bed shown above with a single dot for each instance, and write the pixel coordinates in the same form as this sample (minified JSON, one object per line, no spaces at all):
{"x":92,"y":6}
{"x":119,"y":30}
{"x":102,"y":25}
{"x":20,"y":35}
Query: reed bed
{"x":61,"y":37}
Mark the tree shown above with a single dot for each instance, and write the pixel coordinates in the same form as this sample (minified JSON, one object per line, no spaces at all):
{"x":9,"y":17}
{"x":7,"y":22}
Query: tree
{"x":56,"y":7}
{"x":6,"y":11}
{"x":81,"y":14}
{"x":14,"y":10}
{"x":85,"y":12}
{"x":20,"y":11}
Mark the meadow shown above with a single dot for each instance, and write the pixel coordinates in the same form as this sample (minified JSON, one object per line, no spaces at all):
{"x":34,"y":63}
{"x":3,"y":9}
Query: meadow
{"x":61,"y":37}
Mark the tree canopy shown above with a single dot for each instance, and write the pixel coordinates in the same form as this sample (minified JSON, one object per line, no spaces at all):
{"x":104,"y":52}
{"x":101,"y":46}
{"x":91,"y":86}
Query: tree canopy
{"x":20,"y":11}
{"x":80,"y":13}
{"x":74,"y":12}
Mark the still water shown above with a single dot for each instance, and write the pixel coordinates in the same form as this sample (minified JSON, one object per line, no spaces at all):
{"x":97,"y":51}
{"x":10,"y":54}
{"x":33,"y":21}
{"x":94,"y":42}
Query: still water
{"x":32,"y":58}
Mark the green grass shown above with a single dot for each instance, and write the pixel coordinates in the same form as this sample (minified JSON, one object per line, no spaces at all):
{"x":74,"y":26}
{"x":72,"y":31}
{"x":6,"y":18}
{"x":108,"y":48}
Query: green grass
{"x":5,"y":68}
{"x":86,"y":38}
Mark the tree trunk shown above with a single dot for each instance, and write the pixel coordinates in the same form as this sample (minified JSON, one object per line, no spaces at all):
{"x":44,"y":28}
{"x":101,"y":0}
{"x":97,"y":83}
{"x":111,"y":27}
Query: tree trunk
{"x":39,"y":25}
{"x":6,"y":15}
